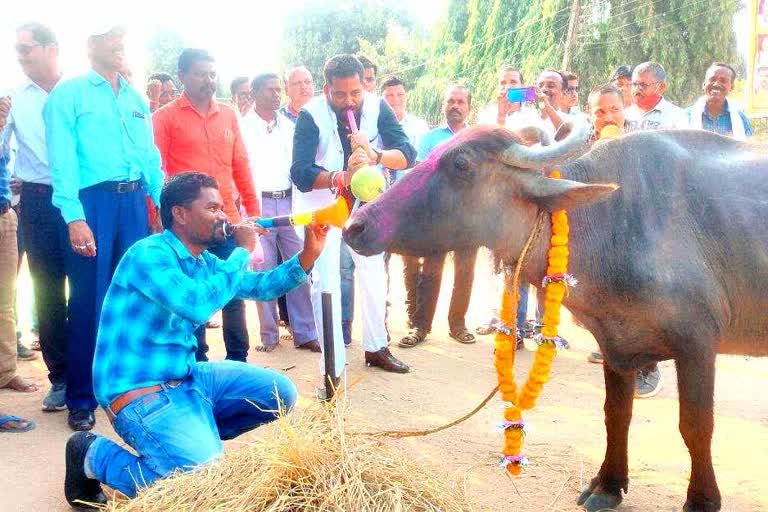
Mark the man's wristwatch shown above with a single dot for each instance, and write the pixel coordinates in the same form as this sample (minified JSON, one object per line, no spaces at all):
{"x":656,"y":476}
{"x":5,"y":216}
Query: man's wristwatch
{"x":379,"y":154}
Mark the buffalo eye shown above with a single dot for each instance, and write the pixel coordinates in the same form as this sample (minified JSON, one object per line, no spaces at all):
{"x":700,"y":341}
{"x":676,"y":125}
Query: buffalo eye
{"x":461,"y":163}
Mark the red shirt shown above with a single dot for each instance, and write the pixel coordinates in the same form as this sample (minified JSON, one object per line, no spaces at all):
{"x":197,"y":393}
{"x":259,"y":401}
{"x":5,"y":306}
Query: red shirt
{"x":211,"y":144}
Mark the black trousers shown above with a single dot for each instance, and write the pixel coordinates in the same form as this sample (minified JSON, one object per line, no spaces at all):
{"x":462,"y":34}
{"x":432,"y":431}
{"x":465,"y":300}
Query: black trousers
{"x":423,"y":278}
{"x":43,"y":234}
{"x":233,"y":320}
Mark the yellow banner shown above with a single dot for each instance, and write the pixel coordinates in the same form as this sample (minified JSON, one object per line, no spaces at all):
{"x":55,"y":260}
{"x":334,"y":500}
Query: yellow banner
{"x":757,"y":76}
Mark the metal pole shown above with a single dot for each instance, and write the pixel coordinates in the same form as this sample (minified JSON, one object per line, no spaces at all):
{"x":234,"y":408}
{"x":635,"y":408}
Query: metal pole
{"x":329,"y":354}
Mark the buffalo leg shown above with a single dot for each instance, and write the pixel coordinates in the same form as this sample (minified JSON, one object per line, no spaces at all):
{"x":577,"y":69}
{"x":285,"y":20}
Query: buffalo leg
{"x":696,"y":387}
{"x":604,"y":492}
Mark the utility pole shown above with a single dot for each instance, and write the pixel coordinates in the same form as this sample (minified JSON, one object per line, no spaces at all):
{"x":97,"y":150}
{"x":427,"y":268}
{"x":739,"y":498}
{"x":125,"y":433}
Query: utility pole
{"x":570,"y":42}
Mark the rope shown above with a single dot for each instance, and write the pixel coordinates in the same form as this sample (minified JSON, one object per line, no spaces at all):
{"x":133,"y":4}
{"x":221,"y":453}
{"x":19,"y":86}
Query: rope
{"x":515,"y":283}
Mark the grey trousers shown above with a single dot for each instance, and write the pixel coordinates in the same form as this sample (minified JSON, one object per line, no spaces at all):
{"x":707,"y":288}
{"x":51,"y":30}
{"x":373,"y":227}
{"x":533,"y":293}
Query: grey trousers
{"x":286,"y":241}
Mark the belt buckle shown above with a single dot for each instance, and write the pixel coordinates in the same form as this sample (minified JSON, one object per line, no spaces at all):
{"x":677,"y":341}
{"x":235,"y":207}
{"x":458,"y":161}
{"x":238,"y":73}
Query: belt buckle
{"x":123,"y":188}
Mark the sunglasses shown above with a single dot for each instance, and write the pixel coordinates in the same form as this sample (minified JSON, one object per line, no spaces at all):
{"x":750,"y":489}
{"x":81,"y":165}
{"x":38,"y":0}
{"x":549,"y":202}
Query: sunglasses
{"x":26,"y":49}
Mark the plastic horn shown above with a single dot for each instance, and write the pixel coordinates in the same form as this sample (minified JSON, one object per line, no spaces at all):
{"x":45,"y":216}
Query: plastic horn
{"x":351,"y":120}
{"x":335,"y":214}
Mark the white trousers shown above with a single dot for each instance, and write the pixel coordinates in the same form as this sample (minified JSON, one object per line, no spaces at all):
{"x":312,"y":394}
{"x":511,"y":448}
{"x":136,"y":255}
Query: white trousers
{"x":371,"y":275}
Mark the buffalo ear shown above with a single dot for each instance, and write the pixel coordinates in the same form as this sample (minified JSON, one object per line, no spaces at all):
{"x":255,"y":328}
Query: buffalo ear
{"x":555,"y":194}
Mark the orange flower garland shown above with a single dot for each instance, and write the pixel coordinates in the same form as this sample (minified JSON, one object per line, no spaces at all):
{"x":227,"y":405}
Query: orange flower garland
{"x":505,"y":342}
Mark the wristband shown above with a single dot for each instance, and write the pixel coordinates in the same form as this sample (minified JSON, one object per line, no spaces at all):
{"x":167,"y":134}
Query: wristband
{"x":379,"y":154}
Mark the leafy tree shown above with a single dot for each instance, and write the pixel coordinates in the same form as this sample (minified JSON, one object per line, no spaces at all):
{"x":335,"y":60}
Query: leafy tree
{"x":324,"y":28}
{"x":163,"y":50}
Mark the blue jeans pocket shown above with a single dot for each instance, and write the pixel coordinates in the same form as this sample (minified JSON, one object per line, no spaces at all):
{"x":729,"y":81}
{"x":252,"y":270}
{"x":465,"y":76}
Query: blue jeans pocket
{"x":149,"y":407}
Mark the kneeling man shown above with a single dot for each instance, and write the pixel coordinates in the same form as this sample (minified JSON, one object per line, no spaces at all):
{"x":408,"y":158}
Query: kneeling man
{"x":173,"y":411}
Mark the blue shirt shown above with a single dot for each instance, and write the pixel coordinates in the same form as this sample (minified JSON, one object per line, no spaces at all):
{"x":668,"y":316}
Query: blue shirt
{"x":159,"y":295}
{"x":432,"y":139}
{"x":25,"y":122}
{"x":95,"y":136}
{"x":722,"y":123}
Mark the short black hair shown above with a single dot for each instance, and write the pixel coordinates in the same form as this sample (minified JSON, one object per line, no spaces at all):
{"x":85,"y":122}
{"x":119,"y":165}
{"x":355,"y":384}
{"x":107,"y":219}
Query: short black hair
{"x":463,"y":88}
{"x":368,"y":63}
{"x":603,"y":89}
{"x":623,"y":71}
{"x":162,"y":77}
{"x":181,"y":190}
{"x":342,"y":66}
{"x":40,"y":33}
{"x":514,"y":69}
{"x":726,"y":66}
{"x":392,"y":81}
{"x":237,"y":82}
{"x":190,"y":56}
{"x":261,"y":79}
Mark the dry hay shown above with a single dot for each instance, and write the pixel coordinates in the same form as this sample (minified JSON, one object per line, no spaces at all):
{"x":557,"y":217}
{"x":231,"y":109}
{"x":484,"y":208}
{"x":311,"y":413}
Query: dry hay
{"x":307,"y":462}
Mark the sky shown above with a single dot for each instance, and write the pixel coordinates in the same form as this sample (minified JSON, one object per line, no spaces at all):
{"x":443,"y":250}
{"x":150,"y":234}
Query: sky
{"x":244,"y":36}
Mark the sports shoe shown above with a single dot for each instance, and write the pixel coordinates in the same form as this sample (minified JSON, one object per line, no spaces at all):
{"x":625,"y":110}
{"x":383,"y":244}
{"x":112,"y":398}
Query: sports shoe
{"x":82,"y":493}
{"x":648,"y":382}
{"x":56,"y":399}
{"x":23,"y":353}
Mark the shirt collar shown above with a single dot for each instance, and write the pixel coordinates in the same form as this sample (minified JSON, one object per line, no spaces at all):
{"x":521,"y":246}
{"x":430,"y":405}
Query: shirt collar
{"x":185,"y":103}
{"x":96,"y":79}
{"x":726,"y":109}
{"x":179,"y":248}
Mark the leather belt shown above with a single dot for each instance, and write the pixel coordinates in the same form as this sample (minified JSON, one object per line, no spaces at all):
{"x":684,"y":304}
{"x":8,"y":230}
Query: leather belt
{"x":121,"y":187}
{"x":279,"y":194}
{"x":122,"y":401}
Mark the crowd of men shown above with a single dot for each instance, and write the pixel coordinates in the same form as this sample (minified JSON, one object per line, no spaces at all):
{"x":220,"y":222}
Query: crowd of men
{"x":98,"y":166}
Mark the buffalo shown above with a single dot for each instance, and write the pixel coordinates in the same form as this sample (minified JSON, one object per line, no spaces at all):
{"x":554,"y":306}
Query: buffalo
{"x":672,"y":263}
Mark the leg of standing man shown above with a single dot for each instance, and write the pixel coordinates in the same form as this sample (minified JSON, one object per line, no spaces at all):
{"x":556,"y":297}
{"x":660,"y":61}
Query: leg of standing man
{"x":464,"y":277}
{"x":347,"y":266}
{"x":43,"y":230}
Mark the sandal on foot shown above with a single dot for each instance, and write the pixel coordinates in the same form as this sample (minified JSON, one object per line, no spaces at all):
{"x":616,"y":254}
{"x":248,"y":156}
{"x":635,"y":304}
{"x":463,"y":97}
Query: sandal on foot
{"x":485,"y":329}
{"x":5,"y":424}
{"x":462,"y":335}
{"x":266,"y":348}
{"x":413,"y":338}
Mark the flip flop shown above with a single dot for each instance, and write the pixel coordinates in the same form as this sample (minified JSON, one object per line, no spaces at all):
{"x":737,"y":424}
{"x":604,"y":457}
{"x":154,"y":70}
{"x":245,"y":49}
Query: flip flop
{"x":462,"y":335}
{"x":4,"y":427}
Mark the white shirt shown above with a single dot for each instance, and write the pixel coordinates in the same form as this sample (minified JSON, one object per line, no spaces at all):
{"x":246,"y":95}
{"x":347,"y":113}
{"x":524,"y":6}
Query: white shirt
{"x":25,"y":122}
{"x":414,"y":128}
{"x":663,"y":115}
{"x":270,"y":150}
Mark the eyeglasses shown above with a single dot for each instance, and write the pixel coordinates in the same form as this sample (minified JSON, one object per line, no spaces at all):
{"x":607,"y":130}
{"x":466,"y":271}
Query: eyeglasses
{"x":26,"y":49}
{"x":642,"y":86}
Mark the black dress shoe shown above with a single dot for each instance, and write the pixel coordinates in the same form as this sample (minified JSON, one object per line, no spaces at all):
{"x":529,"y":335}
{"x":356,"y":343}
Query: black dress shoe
{"x":386,"y":361}
{"x":82,"y":493}
{"x":81,"y":419}
{"x":312,"y":346}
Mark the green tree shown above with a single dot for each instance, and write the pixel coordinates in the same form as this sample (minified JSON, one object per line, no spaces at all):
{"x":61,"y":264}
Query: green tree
{"x":324,"y":28}
{"x":163,"y":50}
{"x":476,"y":37}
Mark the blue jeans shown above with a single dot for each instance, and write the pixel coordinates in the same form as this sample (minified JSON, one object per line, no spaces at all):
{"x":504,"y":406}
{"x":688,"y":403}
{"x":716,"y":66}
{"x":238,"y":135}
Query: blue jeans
{"x":182,"y":427}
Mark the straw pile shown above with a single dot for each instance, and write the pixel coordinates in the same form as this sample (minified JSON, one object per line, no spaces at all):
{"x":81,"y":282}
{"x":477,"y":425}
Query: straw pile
{"x":307,"y":462}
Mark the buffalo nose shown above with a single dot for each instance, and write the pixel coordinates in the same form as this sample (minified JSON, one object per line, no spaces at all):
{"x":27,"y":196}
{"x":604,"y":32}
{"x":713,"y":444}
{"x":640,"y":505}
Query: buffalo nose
{"x":355,"y":229}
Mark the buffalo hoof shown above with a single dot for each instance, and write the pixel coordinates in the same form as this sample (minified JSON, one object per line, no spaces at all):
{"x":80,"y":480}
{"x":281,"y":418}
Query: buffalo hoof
{"x":595,"y":499}
{"x":705,"y":506}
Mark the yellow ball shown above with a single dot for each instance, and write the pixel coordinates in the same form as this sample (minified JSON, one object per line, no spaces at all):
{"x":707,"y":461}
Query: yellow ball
{"x":367,"y":183}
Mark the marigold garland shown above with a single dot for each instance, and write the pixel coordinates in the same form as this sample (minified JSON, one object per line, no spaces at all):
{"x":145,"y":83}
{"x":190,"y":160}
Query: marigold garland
{"x":556,"y":283}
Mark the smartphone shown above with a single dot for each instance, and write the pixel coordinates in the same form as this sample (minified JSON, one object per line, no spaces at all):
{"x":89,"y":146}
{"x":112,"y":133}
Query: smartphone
{"x":521,"y":94}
